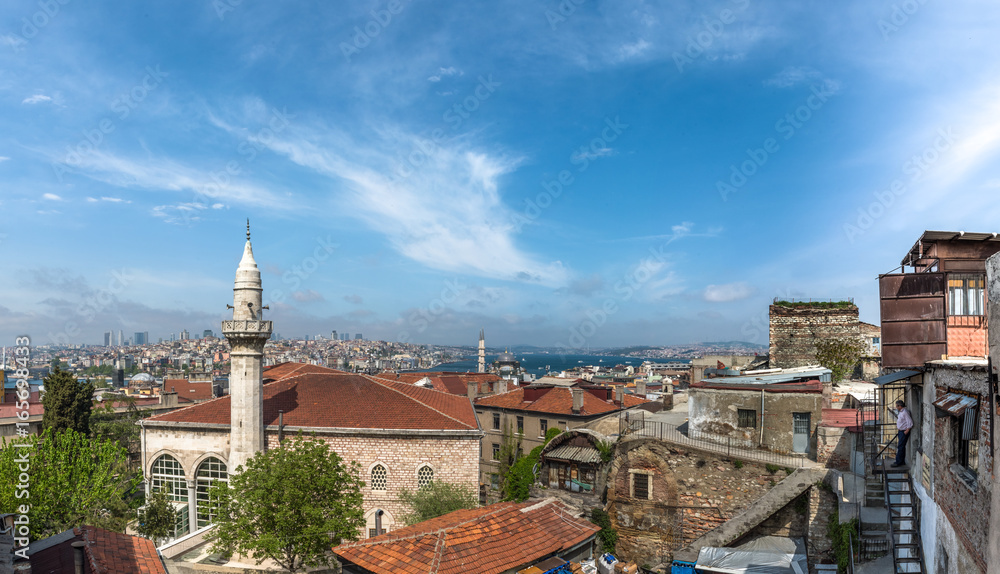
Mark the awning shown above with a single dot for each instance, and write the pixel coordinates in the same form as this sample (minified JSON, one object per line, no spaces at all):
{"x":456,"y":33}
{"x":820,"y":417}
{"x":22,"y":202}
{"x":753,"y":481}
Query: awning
{"x":955,"y":404}
{"x":575,"y":454}
{"x":893,"y":377}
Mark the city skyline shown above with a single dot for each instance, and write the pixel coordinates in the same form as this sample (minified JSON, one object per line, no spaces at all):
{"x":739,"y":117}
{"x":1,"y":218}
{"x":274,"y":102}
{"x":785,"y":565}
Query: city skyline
{"x":565,"y":174}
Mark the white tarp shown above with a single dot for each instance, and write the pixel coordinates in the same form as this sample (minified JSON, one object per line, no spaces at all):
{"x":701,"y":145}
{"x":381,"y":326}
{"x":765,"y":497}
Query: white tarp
{"x":765,"y":555}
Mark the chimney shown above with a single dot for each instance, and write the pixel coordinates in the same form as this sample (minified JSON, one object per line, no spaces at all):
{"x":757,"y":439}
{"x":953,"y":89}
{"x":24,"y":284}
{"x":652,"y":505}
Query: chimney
{"x":620,"y":394}
{"x":168,"y":399}
{"x":640,"y":387}
{"x":501,"y":386}
{"x":577,"y":400}
{"x":473,"y":389}
{"x":78,"y":556}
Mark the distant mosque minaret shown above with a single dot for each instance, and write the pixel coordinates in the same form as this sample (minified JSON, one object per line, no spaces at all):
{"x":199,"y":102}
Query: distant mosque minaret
{"x":247,"y":333}
{"x":482,"y":351}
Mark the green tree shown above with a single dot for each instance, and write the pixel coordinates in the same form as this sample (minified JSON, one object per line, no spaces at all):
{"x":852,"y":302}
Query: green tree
{"x":840,"y":355}
{"x":72,"y":480}
{"x":437,"y":498}
{"x":156,"y":518}
{"x":516,"y":483}
{"x":289,"y":504}
{"x":121,"y":427}
{"x":67,"y":402}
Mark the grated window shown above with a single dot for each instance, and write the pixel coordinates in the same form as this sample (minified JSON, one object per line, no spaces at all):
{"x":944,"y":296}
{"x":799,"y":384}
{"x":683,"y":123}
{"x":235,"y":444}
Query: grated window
{"x":424,"y":476}
{"x":380,"y":477}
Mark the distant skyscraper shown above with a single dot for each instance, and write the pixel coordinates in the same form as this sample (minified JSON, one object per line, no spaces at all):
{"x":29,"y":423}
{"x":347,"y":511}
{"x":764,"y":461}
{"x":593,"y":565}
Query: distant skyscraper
{"x":333,"y":335}
{"x":185,"y":335}
{"x":109,"y":338}
{"x":345,"y":337}
{"x":358,"y":337}
{"x":139,"y":338}
{"x":207,"y":333}
{"x":172,"y":337}
{"x":121,"y":338}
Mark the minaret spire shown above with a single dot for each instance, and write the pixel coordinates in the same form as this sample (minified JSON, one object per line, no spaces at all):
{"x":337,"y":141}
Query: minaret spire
{"x":247,"y":333}
{"x":482,"y":350}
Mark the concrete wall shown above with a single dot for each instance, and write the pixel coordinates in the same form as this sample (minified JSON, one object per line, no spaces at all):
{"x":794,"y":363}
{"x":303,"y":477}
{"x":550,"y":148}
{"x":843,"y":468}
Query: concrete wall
{"x":794,"y":332}
{"x":699,"y":364}
{"x":835,"y":447}
{"x":993,"y":311}
{"x":713,"y":415}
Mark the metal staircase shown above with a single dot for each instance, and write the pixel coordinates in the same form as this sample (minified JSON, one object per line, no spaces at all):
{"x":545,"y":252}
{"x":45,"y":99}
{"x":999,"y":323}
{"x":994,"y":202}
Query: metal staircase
{"x":893,"y":519}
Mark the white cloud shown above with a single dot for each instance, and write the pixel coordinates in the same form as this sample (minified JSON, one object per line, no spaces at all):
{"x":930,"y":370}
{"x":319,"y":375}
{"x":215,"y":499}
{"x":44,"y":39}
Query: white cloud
{"x":793,"y":76}
{"x":36,"y":99}
{"x":51,"y":197}
{"x":636,"y":49}
{"x":590,"y":154}
{"x":107,"y":199}
{"x":307,"y":296}
{"x":4,"y":158}
{"x":443,"y":210}
{"x":728,"y":292}
{"x":442,"y":72}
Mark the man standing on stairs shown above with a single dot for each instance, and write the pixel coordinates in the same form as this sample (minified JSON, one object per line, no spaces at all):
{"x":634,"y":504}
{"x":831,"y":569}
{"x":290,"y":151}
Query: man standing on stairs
{"x":904,"y":423}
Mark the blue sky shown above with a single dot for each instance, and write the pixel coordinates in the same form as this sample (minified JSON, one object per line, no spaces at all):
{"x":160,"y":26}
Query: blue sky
{"x":579,"y":173}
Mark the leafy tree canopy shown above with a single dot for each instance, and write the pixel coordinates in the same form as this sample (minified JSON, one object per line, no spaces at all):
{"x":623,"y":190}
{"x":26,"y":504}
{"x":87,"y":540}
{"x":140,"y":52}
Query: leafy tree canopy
{"x":156,"y":517}
{"x":840,"y":355}
{"x":72,"y":480}
{"x":290,"y":504}
{"x":67,"y":402}
{"x":437,"y":498}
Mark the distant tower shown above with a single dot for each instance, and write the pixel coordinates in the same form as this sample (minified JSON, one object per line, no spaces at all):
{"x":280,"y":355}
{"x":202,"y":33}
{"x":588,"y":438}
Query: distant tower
{"x":246,"y":333}
{"x":482,"y":351}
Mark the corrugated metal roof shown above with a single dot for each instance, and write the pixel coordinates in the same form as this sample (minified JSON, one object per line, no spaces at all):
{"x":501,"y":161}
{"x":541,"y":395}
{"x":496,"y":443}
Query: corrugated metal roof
{"x":785,"y":376}
{"x":955,"y":404}
{"x":893,"y":377}
{"x":575,"y":454}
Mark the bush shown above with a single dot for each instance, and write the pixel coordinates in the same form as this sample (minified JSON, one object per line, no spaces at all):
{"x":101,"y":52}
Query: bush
{"x":772,"y":468}
{"x":437,"y":498}
{"x":608,"y":536}
{"x":840,"y":537}
{"x":738,"y":463}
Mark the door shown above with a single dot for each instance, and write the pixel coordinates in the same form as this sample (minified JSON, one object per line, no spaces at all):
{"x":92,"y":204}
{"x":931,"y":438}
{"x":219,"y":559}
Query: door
{"x":800,"y":432}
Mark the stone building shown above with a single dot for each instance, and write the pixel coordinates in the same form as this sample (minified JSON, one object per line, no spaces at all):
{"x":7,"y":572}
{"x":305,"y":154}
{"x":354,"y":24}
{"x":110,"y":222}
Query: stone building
{"x":529,"y":412}
{"x":778,"y":411}
{"x":665,"y":501}
{"x":402,"y":435}
{"x":796,"y":327}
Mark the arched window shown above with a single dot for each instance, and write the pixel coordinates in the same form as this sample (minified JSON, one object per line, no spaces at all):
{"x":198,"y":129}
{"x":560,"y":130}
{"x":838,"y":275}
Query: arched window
{"x":168,"y":475}
{"x":210,"y":472}
{"x":424,"y":476}
{"x":379,"y":477}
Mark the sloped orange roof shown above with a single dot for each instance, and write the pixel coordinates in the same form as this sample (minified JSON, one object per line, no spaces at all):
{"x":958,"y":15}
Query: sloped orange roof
{"x":185,"y":389}
{"x":446,"y":382}
{"x":557,"y":400}
{"x":487,"y":540}
{"x":314,"y":396}
{"x":106,"y":552}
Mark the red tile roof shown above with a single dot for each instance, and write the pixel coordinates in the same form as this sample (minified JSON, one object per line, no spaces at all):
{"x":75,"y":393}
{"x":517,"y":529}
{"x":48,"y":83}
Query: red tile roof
{"x":556,"y":400}
{"x":8,"y":410}
{"x":185,"y":389}
{"x":454,"y":383}
{"x":106,"y":552}
{"x":314,"y":396}
{"x":486,"y":540}
{"x":845,"y":418}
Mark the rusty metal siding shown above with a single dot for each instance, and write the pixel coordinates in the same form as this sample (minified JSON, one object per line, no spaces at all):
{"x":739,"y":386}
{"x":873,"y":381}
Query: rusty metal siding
{"x":913,"y":314}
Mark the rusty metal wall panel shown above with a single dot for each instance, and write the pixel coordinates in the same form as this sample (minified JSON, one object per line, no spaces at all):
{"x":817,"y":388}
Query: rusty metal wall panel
{"x":914,"y":329}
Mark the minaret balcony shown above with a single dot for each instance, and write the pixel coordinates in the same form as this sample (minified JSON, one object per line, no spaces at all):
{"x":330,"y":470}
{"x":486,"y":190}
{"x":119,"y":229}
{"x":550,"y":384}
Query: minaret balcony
{"x":246,"y":328}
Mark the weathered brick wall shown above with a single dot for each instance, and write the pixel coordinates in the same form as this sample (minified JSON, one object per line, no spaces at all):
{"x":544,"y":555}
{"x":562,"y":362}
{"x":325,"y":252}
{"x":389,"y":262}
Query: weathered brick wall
{"x":794,"y":332}
{"x":453,"y":460}
{"x":692,"y":494}
{"x":819,"y":548}
{"x":834,"y":446}
{"x":966,"y":507}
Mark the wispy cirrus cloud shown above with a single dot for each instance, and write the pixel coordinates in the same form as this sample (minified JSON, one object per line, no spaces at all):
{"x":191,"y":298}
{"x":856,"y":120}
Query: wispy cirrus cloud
{"x":36,"y":99}
{"x":51,"y":197}
{"x":728,"y":292}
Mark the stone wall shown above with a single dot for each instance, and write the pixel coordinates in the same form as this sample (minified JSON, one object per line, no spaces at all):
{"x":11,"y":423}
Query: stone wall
{"x":453,"y":460}
{"x":835,"y":447}
{"x":993,"y":305}
{"x":795,"y":330}
{"x":691,"y":492}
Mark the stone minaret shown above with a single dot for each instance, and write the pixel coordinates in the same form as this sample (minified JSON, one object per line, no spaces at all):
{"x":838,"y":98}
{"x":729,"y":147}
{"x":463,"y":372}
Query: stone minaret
{"x":246,"y":333}
{"x":482,"y":351}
